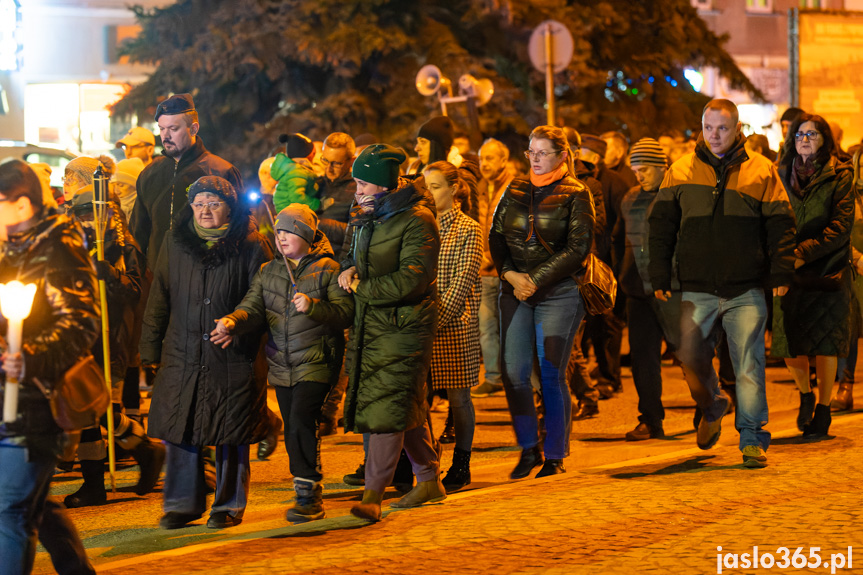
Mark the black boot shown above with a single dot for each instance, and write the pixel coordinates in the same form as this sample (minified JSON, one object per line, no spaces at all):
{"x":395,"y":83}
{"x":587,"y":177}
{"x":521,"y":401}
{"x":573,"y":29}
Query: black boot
{"x":530,"y":458}
{"x":807,"y":407}
{"x":448,"y":435}
{"x":820,"y":424}
{"x":403,"y":479}
{"x":150,"y":457}
{"x":92,"y":492}
{"x":459,"y":472}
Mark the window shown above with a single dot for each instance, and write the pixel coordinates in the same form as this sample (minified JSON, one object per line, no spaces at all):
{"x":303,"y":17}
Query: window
{"x":759,"y":6}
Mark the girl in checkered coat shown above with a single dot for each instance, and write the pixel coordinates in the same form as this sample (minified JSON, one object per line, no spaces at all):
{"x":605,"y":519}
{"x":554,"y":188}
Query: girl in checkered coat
{"x":456,"y":355}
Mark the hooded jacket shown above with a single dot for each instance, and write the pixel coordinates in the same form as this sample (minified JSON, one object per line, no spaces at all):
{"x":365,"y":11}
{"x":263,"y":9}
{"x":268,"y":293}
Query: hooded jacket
{"x":730,"y":221}
{"x":395,"y":251}
{"x":203,"y":394}
{"x":301,"y":347}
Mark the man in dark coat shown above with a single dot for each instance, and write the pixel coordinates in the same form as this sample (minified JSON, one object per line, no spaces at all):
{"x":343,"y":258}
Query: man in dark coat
{"x":392,"y":270}
{"x":203,"y":394}
{"x":162,"y":185}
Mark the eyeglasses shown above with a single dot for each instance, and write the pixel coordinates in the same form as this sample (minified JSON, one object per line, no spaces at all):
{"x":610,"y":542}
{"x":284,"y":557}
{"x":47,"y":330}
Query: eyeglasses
{"x":811,"y":134}
{"x":67,"y":179}
{"x":211,"y":205}
{"x":336,"y":165}
{"x":542,"y":154}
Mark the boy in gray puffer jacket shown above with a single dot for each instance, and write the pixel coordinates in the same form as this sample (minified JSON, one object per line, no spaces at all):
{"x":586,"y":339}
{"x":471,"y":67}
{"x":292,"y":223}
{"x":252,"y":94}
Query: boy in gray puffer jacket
{"x":306,"y":322}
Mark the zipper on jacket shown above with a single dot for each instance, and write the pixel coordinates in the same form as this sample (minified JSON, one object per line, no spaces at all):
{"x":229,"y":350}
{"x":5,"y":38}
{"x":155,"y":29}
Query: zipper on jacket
{"x":171,"y":216}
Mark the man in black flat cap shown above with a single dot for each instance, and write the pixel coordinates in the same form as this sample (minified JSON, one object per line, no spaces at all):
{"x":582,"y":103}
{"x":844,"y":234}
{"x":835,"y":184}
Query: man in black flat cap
{"x":162,"y":185}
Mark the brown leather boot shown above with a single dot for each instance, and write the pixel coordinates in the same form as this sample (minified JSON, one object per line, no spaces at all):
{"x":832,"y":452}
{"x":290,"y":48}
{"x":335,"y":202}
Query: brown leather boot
{"x":844,"y":400}
{"x":370,"y":507}
{"x":430,"y":491}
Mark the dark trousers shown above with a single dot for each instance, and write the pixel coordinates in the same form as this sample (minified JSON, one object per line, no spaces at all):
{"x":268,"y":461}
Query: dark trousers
{"x":645,"y":348}
{"x":186,"y":489}
{"x":606,"y":333}
{"x":301,"y":411}
{"x":25,"y":510}
{"x":578,"y":375}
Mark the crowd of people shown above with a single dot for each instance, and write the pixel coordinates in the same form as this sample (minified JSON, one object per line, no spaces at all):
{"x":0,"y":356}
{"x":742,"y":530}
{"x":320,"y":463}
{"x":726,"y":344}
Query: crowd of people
{"x":367,"y":279}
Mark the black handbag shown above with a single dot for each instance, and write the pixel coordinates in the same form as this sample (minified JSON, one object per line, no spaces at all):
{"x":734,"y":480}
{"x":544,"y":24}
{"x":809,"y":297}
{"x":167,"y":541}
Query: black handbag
{"x":596,"y":282}
{"x":80,"y":397}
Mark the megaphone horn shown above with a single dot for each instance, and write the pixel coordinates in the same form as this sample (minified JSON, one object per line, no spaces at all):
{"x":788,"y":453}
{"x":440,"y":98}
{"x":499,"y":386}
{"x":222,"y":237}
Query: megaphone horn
{"x":480,"y":90}
{"x":428,"y":80}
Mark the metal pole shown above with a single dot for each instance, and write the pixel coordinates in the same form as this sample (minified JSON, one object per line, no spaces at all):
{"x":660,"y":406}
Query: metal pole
{"x":794,"y":57}
{"x":276,"y":234}
{"x":100,"y":224}
{"x":549,"y":77}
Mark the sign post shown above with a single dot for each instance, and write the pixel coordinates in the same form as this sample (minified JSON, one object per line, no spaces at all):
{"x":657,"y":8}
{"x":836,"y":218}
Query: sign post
{"x":550,"y":50}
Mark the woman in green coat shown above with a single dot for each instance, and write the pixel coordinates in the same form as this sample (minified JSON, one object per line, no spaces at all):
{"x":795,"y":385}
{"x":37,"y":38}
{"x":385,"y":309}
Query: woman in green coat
{"x":391,"y":268}
{"x":813,"y":318}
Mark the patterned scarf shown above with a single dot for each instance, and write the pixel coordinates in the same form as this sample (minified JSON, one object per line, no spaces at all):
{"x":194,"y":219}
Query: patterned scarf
{"x":801,"y":174}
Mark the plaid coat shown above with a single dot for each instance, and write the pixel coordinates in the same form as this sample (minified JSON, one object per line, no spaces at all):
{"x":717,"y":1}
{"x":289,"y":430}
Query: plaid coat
{"x":456,"y":355}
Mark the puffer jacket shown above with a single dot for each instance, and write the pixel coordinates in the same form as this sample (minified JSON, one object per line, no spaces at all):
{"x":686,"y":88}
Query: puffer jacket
{"x":729,"y":221}
{"x":563,"y":215}
{"x":296,"y":183}
{"x":203,"y":394}
{"x":124,"y":286}
{"x":395,"y":251}
{"x":302,"y":347}
{"x":62,"y":325}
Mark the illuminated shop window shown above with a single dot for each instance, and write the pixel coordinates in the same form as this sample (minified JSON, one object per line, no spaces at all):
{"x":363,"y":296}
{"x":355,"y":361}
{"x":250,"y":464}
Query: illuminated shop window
{"x":71,"y":116}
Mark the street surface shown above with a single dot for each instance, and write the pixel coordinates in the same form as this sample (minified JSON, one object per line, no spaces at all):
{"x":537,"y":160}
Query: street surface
{"x":657,"y":506}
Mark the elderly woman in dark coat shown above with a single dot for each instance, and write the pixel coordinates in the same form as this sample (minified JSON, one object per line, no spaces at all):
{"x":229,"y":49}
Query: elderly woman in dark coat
{"x":203,"y":394}
{"x":813,"y":318}
{"x":391,"y":269}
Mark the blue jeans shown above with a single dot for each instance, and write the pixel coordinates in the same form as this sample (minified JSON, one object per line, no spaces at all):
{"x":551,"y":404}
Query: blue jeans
{"x":743,"y":318}
{"x":489,"y":328}
{"x":545,"y":326}
{"x":25,"y":510}
{"x":185,"y":489}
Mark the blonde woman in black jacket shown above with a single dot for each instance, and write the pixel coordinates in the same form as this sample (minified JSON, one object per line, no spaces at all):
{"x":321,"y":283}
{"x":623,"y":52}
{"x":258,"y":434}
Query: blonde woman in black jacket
{"x":541,"y":233}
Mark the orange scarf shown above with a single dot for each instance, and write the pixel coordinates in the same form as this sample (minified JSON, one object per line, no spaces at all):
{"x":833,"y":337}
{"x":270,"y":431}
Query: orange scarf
{"x":549,"y":178}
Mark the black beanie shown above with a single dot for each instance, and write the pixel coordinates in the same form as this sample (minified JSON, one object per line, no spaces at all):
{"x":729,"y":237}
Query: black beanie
{"x":439,"y":129}
{"x":297,"y":145}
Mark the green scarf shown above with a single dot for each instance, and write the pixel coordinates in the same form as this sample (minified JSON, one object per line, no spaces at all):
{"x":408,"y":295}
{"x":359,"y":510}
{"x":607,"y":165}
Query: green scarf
{"x":211,"y":236}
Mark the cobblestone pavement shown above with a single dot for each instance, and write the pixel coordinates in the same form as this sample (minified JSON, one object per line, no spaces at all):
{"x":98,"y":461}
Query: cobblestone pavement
{"x":660,"y":506}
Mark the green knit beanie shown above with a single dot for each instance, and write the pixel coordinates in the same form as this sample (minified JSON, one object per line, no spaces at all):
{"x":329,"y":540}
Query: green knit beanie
{"x":379,"y":164}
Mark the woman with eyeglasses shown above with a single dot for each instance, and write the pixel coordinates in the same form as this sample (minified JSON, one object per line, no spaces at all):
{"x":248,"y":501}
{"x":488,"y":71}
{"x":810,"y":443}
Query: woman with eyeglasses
{"x":205,"y":395}
{"x":813,"y":318}
{"x":541,"y":233}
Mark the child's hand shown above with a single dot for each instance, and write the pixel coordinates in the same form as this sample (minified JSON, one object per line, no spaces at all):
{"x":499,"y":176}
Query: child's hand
{"x":302,"y":302}
{"x":347,"y":277}
{"x":221,"y":335}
